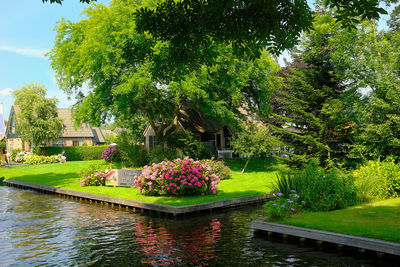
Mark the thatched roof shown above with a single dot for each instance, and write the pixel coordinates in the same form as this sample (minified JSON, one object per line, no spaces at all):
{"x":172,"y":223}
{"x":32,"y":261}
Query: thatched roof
{"x":98,"y":135}
{"x":195,"y":121}
{"x":84,"y":130}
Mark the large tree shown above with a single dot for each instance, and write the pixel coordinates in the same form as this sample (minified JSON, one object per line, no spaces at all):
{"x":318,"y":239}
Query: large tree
{"x":132,"y":73}
{"x":312,"y":111}
{"x":37,"y":118}
{"x":248,"y":25}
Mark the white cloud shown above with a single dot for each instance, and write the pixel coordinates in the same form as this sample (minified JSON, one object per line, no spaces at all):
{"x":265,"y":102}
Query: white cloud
{"x":5,"y":91}
{"x":39,"y":53}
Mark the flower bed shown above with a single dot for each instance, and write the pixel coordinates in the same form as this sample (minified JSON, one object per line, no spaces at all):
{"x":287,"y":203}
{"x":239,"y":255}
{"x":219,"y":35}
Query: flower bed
{"x":179,"y":177}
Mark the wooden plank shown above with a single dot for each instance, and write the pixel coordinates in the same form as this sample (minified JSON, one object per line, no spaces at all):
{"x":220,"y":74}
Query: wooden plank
{"x":176,"y":210}
{"x":331,"y":237}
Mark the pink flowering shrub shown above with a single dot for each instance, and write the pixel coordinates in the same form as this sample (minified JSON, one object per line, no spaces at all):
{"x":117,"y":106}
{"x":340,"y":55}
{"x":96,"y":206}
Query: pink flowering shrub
{"x":94,"y":174}
{"x":98,"y":178}
{"x":181,"y":177}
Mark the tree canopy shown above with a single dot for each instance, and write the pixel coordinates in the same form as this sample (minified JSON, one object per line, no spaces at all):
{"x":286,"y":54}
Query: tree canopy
{"x":37,"y":115}
{"x":132,"y":73}
{"x":248,"y":25}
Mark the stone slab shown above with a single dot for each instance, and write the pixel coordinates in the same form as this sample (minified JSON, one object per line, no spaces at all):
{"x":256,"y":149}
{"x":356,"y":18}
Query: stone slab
{"x":175,"y":210}
{"x":373,"y":244}
{"x":121,"y":177}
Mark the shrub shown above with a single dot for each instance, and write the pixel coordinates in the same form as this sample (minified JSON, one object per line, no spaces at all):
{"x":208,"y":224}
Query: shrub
{"x":110,"y":154}
{"x":219,"y":168}
{"x":284,"y":206}
{"x":185,"y":142}
{"x":321,"y":190}
{"x":21,"y":156}
{"x":94,"y":174}
{"x":284,"y":184}
{"x":179,"y":177}
{"x":161,"y":153}
{"x":14,"y":153}
{"x":378,"y":180}
{"x":131,"y":154}
{"x":77,"y":153}
{"x":37,"y":159}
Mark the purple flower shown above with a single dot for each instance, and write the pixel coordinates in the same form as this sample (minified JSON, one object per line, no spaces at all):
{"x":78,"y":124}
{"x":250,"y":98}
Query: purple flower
{"x":290,"y":201}
{"x":279,"y":194}
{"x":296,"y":195}
{"x":292,"y":209}
{"x":293,"y":191}
{"x":274,"y":204}
{"x":303,"y":202}
{"x":283,"y":206}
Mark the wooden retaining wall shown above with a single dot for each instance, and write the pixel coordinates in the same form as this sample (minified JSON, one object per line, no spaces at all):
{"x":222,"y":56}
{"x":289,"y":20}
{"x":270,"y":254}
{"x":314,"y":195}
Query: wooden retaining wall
{"x":361,"y":243}
{"x":140,"y":205}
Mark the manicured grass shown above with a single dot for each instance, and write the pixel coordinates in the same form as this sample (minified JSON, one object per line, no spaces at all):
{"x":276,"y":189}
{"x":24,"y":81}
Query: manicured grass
{"x":255,"y":181}
{"x":376,"y":220}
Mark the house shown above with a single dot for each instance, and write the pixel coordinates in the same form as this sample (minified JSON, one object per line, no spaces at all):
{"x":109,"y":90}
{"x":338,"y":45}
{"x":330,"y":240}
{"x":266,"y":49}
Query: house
{"x":214,"y":135}
{"x":84,"y":134}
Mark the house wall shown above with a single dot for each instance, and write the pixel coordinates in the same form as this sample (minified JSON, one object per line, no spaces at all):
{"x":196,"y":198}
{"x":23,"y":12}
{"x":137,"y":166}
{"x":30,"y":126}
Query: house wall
{"x":16,"y":143}
{"x":70,"y":141}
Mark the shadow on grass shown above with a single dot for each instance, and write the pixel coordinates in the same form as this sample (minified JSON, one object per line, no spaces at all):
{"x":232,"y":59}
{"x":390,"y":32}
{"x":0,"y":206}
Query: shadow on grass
{"x":191,"y":200}
{"x":255,"y":165}
{"x":51,"y":179}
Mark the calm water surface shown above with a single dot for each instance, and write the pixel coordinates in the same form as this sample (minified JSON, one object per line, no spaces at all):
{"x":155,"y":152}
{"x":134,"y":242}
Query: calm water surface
{"x":43,"y":230}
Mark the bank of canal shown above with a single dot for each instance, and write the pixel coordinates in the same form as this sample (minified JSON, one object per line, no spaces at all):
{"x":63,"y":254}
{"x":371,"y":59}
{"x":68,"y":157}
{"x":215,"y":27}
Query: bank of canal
{"x":39,"y":229}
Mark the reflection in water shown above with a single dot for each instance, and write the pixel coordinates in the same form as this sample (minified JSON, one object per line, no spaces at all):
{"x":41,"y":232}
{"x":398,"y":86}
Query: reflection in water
{"x":43,"y":230}
{"x":164,"y":243}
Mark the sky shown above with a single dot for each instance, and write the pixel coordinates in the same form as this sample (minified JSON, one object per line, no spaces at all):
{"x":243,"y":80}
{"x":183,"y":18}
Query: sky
{"x":26,"y":34}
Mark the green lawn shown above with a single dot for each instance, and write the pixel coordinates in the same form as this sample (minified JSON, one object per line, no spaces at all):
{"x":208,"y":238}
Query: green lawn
{"x":255,"y":181}
{"x":376,"y":220}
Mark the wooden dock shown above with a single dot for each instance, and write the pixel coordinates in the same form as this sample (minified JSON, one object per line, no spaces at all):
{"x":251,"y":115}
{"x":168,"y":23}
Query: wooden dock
{"x":141,"y":206}
{"x":362,"y":243}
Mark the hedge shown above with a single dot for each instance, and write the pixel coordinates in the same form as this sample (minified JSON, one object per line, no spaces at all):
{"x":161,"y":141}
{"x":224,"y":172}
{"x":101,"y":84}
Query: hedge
{"x":76,"y":153}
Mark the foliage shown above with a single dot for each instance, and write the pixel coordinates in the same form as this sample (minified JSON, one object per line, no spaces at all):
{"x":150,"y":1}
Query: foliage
{"x":325,"y":190}
{"x":283,"y":206}
{"x":312,"y":114}
{"x":131,"y":153}
{"x":122,"y":66}
{"x":254,"y":140}
{"x":321,"y":190}
{"x":37,"y":115}
{"x":74,"y":153}
{"x":94,"y":175}
{"x":38,"y":159}
{"x":284,"y":184}
{"x":131,"y":127}
{"x":218,"y":167}
{"x":60,"y":1}
{"x":190,"y":147}
{"x":21,"y":156}
{"x":179,"y":177}
{"x":250,"y":26}
{"x":160,"y":153}
{"x":2,"y":183}
{"x":14,"y":153}
{"x":378,"y":180}
{"x":111,"y":154}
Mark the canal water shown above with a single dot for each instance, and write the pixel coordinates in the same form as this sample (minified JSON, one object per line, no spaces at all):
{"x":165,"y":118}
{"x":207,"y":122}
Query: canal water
{"x":44,"y":230}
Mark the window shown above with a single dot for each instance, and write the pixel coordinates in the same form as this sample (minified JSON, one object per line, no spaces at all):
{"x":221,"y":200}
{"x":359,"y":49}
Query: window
{"x":77,"y":142}
{"x":58,"y":142}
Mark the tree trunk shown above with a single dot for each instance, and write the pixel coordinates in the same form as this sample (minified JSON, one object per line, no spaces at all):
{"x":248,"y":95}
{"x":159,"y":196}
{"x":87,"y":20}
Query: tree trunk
{"x":245,"y":166}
